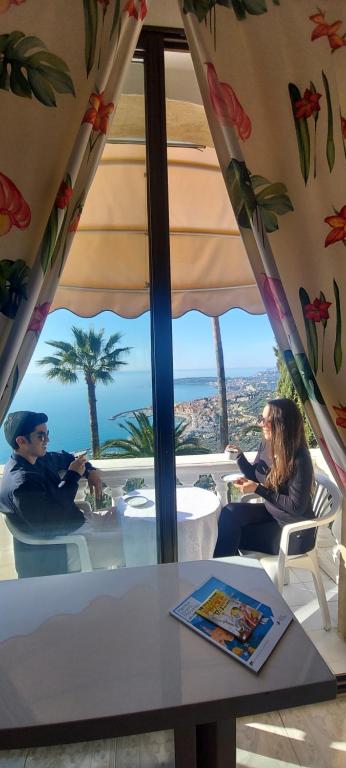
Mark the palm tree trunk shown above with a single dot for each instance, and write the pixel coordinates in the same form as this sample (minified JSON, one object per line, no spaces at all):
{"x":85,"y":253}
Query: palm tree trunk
{"x":94,"y":427}
{"x":221,"y":382}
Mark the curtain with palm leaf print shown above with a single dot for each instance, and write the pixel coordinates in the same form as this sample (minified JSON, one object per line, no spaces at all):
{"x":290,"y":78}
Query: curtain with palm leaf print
{"x":62,"y":66}
{"x":272,"y":74}
{"x":273,"y":79}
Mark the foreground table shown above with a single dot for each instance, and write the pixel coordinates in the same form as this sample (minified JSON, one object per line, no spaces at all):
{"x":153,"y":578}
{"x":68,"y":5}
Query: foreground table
{"x":197,"y":516}
{"x":96,"y":655}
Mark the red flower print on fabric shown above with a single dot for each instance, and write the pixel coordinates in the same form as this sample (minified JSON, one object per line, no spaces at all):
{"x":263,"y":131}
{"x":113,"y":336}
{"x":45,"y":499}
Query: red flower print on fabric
{"x":98,"y":113}
{"x":75,"y":221}
{"x":5,"y":4}
{"x":343,"y":126}
{"x":323,"y":29}
{"x":38,"y":317}
{"x":274,"y":297}
{"x":14,"y":211}
{"x":317,"y":311}
{"x":64,"y":195}
{"x":226,"y":106}
{"x":340,"y":411}
{"x":338,"y":225}
{"x":326,"y":452}
{"x":136,"y":8}
{"x":308,"y":105}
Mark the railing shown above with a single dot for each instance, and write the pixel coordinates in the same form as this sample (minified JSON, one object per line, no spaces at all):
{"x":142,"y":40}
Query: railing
{"x":117,"y":472}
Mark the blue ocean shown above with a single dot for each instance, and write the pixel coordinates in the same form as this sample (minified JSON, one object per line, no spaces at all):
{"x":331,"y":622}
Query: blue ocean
{"x":67,"y":406}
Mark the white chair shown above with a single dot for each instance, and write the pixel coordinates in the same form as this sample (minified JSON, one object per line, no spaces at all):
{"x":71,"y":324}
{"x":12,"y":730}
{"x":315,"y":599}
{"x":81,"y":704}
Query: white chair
{"x":77,"y":539}
{"x":326,"y":505}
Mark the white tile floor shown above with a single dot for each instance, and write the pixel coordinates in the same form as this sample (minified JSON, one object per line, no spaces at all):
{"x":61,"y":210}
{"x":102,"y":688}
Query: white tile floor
{"x":301,"y":597}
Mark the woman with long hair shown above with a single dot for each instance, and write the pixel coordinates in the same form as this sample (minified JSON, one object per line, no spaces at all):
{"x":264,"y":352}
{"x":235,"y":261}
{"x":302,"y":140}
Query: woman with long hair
{"x":282,"y":476}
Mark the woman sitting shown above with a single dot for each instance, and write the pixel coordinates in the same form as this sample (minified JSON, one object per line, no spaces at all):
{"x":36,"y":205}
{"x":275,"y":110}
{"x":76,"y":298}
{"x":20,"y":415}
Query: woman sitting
{"x":282,"y":477}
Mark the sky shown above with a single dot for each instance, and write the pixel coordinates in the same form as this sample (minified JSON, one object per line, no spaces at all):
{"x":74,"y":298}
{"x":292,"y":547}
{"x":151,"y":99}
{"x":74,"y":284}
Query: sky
{"x":247,"y":339}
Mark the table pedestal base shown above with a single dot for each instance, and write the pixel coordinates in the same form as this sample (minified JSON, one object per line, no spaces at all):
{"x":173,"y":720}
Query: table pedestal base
{"x":212,"y":745}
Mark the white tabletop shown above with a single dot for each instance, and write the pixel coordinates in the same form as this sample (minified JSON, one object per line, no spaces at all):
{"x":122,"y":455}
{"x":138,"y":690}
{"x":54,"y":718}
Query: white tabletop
{"x":192,"y":503}
{"x":97,"y":655}
{"x":197,"y":515}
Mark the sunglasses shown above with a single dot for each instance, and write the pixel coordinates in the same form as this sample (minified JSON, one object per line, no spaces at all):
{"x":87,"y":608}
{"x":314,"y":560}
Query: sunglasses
{"x":264,"y":419}
{"x":43,"y":436}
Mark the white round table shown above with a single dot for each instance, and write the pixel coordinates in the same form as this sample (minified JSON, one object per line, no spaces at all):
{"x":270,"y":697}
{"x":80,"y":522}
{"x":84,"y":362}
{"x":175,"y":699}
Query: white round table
{"x":197,"y":514}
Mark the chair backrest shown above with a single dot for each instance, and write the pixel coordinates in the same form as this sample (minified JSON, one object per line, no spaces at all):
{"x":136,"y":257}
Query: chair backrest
{"x":326,"y":496}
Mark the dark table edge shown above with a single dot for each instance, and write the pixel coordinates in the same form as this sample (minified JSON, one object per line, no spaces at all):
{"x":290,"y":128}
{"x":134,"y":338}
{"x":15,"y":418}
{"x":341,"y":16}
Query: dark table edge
{"x":157,"y":720}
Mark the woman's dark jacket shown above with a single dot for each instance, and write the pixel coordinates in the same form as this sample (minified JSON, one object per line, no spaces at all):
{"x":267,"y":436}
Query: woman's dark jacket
{"x":292,"y":501}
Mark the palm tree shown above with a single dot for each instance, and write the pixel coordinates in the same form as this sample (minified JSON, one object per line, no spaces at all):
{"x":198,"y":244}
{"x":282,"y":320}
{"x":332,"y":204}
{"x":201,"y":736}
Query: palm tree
{"x":221,"y":383}
{"x":93,"y":357}
{"x":141,"y":440}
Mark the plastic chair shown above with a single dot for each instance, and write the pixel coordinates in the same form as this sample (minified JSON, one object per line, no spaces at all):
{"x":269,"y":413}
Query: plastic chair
{"x":77,"y":539}
{"x":326,"y":505}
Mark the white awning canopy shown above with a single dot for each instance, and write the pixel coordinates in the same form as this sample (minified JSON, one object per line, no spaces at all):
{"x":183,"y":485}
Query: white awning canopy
{"x":108,"y":265}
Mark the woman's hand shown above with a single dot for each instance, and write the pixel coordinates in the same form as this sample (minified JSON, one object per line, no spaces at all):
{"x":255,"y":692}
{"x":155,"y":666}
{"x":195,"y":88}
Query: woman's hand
{"x":247,"y":486}
{"x":233,"y":449}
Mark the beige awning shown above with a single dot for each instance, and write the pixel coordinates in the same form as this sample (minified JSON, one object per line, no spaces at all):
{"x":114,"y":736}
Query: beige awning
{"x":108,"y":267}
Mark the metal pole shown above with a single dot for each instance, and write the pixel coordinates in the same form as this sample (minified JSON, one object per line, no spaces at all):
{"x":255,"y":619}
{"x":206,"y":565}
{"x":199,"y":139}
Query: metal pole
{"x":160,"y":298}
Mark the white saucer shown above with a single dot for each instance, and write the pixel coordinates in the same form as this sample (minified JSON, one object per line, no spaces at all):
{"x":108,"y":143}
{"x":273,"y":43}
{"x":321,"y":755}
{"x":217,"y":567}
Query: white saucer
{"x":136,"y":501}
{"x":230,"y":477}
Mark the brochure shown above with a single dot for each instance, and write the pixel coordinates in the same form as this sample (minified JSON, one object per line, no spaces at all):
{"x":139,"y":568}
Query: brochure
{"x":198,"y":608}
{"x":228,"y":613}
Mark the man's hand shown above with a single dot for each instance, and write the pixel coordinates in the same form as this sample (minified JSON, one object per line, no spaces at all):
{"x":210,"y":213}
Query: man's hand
{"x":95,"y":481}
{"x":78,"y":465}
{"x":245,"y":485}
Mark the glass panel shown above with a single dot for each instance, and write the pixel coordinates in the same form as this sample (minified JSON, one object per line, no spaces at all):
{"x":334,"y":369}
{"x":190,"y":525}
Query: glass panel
{"x":211,"y":277}
{"x":107,"y":269}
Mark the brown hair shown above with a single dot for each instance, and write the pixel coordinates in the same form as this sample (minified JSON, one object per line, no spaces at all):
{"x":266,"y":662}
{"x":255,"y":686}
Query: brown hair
{"x":287,"y":436}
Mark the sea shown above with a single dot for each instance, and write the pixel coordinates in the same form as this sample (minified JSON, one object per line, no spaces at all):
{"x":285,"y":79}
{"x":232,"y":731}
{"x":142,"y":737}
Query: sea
{"x":67,"y":405}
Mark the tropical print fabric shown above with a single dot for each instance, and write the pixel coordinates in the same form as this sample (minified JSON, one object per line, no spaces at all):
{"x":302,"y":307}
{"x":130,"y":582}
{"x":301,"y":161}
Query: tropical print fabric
{"x":272,"y":74}
{"x":61,"y":71}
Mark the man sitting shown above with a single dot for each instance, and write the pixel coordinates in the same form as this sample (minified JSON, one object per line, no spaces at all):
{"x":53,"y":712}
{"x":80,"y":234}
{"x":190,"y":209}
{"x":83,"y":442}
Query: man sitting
{"x":38,"y":500}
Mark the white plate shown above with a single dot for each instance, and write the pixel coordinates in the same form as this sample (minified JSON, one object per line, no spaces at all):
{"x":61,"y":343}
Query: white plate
{"x":136,"y":501}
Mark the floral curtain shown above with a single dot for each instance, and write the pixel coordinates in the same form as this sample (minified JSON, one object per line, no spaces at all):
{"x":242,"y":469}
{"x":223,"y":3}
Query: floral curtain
{"x":272,"y":74}
{"x":62,"y":66}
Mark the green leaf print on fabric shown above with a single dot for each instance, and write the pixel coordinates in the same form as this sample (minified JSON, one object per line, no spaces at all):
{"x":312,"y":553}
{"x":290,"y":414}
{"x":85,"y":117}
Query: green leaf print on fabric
{"x":308,"y":378}
{"x":337,"y":346}
{"x":116,"y":17}
{"x":39,"y":73}
{"x":49,"y":240}
{"x":241,"y":8}
{"x":13,"y":282}
{"x":271,"y":199}
{"x":302,"y":133}
{"x":91,"y":24}
{"x":330,"y":147}
{"x":295,"y":375}
{"x":52,"y":237}
{"x":310,"y":329}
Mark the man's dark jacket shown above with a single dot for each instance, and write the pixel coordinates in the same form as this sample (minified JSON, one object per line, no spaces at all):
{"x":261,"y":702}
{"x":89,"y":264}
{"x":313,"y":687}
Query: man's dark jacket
{"x":40,"y":503}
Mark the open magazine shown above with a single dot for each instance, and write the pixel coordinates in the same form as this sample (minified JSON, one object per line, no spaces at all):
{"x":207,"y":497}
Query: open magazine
{"x":235,"y":622}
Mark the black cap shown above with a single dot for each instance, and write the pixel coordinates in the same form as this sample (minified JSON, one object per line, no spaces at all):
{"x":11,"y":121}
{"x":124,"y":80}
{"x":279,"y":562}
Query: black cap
{"x":22,"y":423}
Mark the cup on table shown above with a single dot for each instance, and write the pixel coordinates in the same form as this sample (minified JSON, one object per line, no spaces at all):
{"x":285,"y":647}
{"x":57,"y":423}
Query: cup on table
{"x":231,"y":453}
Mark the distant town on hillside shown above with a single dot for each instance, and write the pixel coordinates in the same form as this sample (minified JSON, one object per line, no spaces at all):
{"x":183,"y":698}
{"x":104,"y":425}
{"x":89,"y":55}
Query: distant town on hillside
{"x":246,"y":397}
